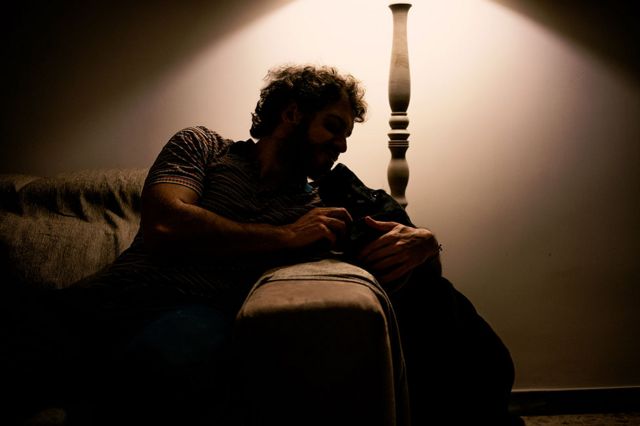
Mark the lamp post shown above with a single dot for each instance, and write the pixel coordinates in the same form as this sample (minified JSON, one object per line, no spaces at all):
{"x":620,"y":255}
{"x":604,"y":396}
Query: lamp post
{"x":399,"y":95}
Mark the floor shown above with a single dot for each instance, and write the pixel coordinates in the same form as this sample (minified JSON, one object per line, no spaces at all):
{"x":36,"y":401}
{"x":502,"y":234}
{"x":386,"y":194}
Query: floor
{"x":55,"y":417}
{"x":631,"y":419}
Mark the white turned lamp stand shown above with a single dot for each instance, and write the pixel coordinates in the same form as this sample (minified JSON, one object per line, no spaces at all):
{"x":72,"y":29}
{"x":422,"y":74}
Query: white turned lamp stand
{"x":399,"y":95}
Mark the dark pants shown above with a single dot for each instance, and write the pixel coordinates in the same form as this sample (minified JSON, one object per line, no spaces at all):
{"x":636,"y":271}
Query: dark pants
{"x":458,"y":369}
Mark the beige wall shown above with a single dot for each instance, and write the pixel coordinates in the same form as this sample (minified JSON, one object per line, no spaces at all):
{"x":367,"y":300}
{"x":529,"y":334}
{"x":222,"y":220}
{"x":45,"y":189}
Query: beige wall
{"x":524,"y":144}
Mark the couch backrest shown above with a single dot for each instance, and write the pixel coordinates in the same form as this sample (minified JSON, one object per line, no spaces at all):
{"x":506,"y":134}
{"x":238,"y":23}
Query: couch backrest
{"x":57,"y":230}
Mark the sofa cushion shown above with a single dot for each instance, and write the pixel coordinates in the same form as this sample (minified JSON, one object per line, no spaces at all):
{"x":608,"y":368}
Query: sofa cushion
{"x":57,"y":230}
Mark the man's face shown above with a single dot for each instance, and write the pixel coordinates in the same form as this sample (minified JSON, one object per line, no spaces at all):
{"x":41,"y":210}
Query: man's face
{"x":326,"y":137}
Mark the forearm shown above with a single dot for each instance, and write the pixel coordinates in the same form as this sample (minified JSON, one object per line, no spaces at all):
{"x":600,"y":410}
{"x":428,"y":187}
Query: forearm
{"x":192,"y":230}
{"x":173,"y":223}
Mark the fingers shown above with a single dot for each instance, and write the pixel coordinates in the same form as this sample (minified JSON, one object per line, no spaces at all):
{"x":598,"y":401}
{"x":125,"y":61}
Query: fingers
{"x":336,"y":226}
{"x":376,"y":249}
{"x":323,"y":223}
{"x":335,"y":219}
{"x":336,"y":212}
{"x":380,"y":226}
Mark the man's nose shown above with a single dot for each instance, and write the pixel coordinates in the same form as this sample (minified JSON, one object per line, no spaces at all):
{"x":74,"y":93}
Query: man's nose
{"x":341,"y":144}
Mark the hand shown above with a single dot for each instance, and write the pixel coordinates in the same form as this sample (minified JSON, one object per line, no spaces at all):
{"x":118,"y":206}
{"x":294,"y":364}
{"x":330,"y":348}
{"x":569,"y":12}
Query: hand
{"x":398,"y":251}
{"x":327,"y":224}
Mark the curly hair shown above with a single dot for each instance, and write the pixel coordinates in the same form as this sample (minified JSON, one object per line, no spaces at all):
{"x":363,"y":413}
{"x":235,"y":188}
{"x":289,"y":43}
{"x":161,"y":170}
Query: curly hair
{"x":311,"y":87}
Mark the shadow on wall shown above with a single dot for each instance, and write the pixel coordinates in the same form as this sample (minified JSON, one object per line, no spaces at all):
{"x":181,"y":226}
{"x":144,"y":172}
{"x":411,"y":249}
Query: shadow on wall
{"x":609,"y":30}
{"x":80,"y":51}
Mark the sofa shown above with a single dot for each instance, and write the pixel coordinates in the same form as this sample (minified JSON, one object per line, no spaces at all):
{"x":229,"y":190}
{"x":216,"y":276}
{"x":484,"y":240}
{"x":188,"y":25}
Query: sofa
{"x":317,"y":342}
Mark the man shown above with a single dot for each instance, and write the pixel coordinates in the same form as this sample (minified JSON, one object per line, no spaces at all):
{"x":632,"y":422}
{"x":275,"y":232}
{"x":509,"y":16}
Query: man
{"x":216,"y":214}
{"x":246,"y":202}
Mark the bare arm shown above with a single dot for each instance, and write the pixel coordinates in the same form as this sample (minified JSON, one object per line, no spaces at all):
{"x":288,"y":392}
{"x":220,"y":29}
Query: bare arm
{"x":173,"y":223}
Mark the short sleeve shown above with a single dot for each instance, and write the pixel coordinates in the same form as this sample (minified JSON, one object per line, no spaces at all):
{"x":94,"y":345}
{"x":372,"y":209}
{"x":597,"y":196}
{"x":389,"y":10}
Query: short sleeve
{"x":185,"y":158}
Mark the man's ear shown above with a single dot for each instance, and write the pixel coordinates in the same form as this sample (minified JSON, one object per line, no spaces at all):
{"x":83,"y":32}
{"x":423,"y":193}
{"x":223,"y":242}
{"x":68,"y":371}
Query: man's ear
{"x":291,"y":114}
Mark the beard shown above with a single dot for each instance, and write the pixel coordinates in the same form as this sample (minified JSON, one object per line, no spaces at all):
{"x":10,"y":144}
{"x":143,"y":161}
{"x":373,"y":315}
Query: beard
{"x":313,"y":160}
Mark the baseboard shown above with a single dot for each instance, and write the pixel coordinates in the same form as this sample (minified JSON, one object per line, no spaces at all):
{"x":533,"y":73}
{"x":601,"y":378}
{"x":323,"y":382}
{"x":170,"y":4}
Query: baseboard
{"x":574,"y":401}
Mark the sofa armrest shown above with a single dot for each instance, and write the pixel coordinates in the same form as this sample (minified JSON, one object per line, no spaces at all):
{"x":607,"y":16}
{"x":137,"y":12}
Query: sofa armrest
{"x":315,"y":350}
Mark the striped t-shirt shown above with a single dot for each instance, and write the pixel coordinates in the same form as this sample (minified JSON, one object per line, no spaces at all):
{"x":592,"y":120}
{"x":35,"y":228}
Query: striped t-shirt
{"x":228,"y":183}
